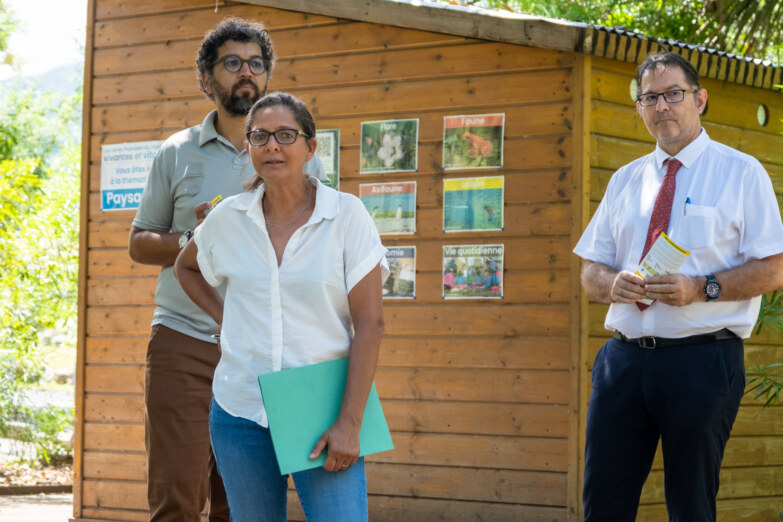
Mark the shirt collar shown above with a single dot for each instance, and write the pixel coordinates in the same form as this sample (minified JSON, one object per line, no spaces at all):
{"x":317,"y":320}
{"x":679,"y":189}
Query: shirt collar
{"x":686,"y":156}
{"x":327,"y":203}
{"x":208,"y":131}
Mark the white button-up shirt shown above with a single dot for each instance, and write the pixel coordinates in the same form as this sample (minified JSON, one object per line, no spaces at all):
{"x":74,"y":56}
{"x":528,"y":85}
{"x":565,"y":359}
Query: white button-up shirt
{"x":724,"y":212}
{"x":288,"y":316}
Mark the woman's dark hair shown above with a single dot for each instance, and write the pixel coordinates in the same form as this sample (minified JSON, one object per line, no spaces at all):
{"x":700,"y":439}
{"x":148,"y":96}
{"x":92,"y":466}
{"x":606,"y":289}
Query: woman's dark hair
{"x":297,"y":107}
{"x":238,"y":30}
{"x":668,"y":59}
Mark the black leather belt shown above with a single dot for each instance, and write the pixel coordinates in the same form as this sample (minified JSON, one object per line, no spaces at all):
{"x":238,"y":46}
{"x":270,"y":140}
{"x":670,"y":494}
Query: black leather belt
{"x":663,"y":342}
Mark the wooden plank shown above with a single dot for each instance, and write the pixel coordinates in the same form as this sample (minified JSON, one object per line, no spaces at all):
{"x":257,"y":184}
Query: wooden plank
{"x":115,"y":466}
{"x":519,"y":287}
{"x":120,"y":8}
{"x":541,"y":219}
{"x":452,"y":94}
{"x":483,"y":485}
{"x":522,"y":453}
{"x":476,"y":320}
{"x":394,"y":509}
{"x":543,"y":186}
{"x":757,"y":509}
{"x":498,"y":386}
{"x":734,"y":483}
{"x":113,"y":437}
{"x":114,"y":408}
{"x":193,"y":24}
{"x":116,"y":350}
{"x":92,"y":514}
{"x":524,"y":220}
{"x":523,"y":420}
{"x":460,"y":318}
{"x":114,"y":379}
{"x":619,"y":122}
{"x":121,"y":291}
{"x":108,"y":233}
{"x":118,"y":320}
{"x":300,"y":72}
{"x":116,"y":494}
{"x":450,"y":352}
{"x":116,"y":262}
{"x":339,"y":38}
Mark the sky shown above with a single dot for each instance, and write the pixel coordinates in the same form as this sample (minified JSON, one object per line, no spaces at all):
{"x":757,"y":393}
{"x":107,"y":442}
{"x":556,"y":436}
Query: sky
{"x":50,"y":34}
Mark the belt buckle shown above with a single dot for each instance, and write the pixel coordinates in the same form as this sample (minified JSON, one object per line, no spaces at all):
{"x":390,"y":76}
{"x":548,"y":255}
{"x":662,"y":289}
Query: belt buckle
{"x":647,"y":342}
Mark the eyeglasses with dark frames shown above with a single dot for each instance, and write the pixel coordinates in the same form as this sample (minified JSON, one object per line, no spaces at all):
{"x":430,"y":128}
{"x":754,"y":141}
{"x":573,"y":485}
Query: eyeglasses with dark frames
{"x":234,"y":63}
{"x":259,"y":138}
{"x":672,"y":96}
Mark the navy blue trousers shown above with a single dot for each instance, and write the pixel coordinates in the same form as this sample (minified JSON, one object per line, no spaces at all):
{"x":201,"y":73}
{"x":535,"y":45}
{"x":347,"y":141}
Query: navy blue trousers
{"x":685,"y":396}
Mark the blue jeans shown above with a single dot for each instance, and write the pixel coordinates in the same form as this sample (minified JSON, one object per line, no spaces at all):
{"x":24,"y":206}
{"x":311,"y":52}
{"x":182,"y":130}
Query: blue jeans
{"x":257,"y":492}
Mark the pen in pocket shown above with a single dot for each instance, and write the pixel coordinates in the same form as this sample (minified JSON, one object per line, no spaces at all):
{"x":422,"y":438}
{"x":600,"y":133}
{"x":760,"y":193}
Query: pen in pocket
{"x":685,"y":206}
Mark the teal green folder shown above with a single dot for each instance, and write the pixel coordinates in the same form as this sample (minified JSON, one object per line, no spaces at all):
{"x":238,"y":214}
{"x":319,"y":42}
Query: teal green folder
{"x":301,"y":403}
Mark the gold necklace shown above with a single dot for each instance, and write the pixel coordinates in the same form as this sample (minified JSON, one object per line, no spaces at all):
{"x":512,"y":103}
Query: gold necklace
{"x":309,"y":199}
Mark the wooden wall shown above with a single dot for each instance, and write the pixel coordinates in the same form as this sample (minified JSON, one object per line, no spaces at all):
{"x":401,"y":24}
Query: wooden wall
{"x":481,"y":396}
{"x":752,"y":474}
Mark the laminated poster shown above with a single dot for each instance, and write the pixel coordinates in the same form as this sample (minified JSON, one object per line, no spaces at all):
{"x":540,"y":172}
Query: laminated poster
{"x":473,"y":142}
{"x":392,"y":206}
{"x":473,"y":272}
{"x":473,"y":204}
{"x":329,"y":153}
{"x":124,"y":171}
{"x":401,"y":283}
{"x":389,"y":146}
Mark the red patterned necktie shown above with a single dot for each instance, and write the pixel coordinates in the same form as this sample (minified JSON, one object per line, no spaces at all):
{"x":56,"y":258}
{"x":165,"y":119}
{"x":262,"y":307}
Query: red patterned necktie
{"x":662,"y":210}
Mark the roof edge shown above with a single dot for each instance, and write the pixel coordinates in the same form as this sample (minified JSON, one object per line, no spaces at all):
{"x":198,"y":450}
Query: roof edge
{"x":470,"y":22}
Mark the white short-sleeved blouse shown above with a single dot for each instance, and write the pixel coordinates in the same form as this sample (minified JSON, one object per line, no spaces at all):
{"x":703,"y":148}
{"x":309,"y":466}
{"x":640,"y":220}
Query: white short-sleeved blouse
{"x":288,"y":316}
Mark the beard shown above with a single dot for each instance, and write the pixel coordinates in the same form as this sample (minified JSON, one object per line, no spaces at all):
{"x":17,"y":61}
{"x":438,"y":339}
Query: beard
{"x":234,"y":103}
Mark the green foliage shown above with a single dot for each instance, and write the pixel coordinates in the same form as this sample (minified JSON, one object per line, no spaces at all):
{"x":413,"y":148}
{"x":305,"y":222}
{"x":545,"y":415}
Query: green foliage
{"x":39,"y":237}
{"x":742,"y":27}
{"x":7,"y":26}
{"x":765,"y":382}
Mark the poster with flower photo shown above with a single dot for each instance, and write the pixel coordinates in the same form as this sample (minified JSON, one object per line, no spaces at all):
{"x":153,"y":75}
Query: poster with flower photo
{"x":473,"y":204}
{"x":473,"y":272}
{"x":473,"y":142}
{"x":389,"y":146}
{"x":329,"y":153}
{"x":391,"y":205}
{"x":401,"y":283}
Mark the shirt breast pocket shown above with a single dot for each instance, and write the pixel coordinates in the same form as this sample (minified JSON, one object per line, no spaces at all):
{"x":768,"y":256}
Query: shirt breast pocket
{"x":699,"y":227}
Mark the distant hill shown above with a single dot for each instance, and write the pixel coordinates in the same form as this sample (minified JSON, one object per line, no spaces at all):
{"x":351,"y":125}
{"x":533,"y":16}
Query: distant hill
{"x":64,"y":78}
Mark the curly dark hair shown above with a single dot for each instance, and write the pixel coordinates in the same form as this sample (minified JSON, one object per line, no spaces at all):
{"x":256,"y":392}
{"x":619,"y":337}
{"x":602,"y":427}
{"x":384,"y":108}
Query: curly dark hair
{"x":292,"y":103}
{"x":239,"y":30}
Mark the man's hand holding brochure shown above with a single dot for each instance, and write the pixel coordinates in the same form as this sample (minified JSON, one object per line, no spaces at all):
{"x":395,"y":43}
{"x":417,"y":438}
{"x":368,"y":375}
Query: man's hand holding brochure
{"x":664,"y":257}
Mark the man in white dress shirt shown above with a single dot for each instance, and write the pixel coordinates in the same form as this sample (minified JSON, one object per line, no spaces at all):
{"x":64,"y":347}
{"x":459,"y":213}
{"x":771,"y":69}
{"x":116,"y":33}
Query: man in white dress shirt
{"x":674,"y":371}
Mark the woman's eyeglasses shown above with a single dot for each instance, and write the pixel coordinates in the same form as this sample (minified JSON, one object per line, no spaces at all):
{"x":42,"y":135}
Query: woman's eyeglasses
{"x":259,"y":138}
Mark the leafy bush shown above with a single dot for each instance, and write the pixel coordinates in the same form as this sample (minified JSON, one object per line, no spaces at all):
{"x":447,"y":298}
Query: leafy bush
{"x":39,"y":238}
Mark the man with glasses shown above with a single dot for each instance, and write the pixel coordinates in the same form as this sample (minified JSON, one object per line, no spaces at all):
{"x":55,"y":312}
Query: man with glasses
{"x":674,"y":369}
{"x":192,"y":168}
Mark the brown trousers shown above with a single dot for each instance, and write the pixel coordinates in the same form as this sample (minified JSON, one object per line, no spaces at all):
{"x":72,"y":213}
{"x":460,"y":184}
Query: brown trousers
{"x":181,"y":471}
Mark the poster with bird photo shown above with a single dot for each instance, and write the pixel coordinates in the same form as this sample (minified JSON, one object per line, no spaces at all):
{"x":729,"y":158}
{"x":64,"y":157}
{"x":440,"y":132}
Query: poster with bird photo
{"x":389,"y":146}
{"x":473,"y":142}
{"x":473,"y":204}
{"x":392,"y":206}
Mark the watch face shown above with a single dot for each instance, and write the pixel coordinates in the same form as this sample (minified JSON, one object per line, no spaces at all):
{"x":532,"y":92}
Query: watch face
{"x":712,"y":289}
{"x":183,"y":239}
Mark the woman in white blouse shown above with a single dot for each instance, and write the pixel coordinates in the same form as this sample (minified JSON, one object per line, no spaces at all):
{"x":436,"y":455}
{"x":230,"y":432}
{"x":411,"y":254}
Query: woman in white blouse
{"x":302,"y":266}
